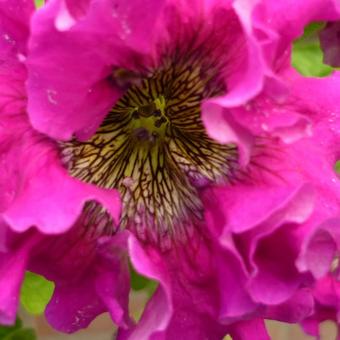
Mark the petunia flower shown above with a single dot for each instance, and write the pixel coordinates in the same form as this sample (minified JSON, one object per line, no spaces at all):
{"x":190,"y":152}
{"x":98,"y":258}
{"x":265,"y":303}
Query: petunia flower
{"x":192,"y":112}
{"x":308,"y":109}
{"x":91,"y":276}
{"x":160,"y":173}
{"x":90,"y":269}
{"x":326,"y":295}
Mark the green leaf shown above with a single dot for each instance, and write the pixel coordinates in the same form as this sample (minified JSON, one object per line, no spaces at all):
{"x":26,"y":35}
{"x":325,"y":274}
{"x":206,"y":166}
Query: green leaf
{"x":5,"y":330}
{"x":36,"y":292}
{"x":307,"y":56}
{"x":337,"y":167}
{"x":313,"y":28}
{"x":21,"y":334}
{"x":38,"y":3}
{"x":139,"y":282}
{"x":17,"y":332}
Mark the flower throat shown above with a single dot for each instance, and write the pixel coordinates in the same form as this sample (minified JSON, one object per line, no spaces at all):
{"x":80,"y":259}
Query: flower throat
{"x":153,"y":148}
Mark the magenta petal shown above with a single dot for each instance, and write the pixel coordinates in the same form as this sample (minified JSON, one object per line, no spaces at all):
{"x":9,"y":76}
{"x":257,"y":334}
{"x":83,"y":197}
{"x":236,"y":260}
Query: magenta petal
{"x":271,"y":284}
{"x":159,"y":310}
{"x":327,"y":304}
{"x":311,"y":327}
{"x":319,"y":254}
{"x":246,"y":79}
{"x":324,"y":103}
{"x":244,"y":83}
{"x":262,"y":203}
{"x":252,"y":329}
{"x":153,"y":322}
{"x":91,"y":277}
{"x":41,"y":203}
{"x":327,"y":292}
{"x":288,"y":126}
{"x":261,"y":234}
{"x":297,"y":308}
{"x":73,"y":307}
{"x":12,"y":269}
{"x":222,"y":126}
{"x":320,"y":248}
{"x":34,"y":183}
{"x":274,"y":38}
{"x":113,"y":278}
{"x":268,"y":114}
{"x":14,"y":24}
{"x":276,"y":35}
{"x":186,"y":304}
{"x":74,"y":97}
{"x":234,"y":298}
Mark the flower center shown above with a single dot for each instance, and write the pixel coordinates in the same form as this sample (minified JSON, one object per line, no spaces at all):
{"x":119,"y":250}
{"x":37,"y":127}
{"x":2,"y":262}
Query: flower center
{"x":153,"y":148}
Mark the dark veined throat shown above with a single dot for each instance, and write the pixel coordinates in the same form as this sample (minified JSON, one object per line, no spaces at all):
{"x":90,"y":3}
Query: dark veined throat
{"x":152,"y":147}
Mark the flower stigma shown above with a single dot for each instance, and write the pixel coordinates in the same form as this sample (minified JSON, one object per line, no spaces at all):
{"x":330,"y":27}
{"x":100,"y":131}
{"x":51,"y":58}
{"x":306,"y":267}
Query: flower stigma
{"x":152,"y":147}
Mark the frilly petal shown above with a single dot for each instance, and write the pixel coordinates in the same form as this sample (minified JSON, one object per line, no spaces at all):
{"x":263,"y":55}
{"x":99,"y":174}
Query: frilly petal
{"x":277,"y":24}
{"x":186,"y":304}
{"x":91,"y":275}
{"x":12,"y":269}
{"x":186,"y":312}
{"x":14,"y":25}
{"x":296,"y":309}
{"x":159,"y":309}
{"x":254,"y":329}
{"x":86,"y":43}
{"x":101,"y":283}
{"x":40,"y":202}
